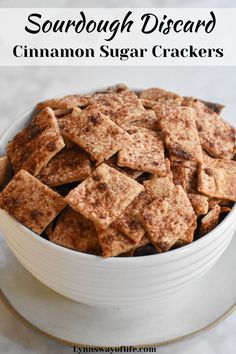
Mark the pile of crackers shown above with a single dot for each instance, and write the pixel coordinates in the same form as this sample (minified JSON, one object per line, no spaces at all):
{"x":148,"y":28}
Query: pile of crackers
{"x":121,"y":173}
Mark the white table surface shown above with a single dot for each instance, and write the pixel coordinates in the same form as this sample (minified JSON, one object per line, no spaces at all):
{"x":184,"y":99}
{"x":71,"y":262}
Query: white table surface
{"x":21,"y":88}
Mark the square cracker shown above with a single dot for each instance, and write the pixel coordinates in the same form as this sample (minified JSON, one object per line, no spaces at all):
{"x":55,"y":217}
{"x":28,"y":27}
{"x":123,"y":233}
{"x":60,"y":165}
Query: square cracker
{"x":159,"y":95}
{"x":104,"y":195}
{"x":167,"y":219}
{"x":187,"y":236}
{"x":69,"y":165}
{"x":113,"y":242}
{"x":180,"y":131}
{"x":150,"y":121}
{"x":210,"y":221}
{"x":33,"y":147}
{"x":129,"y":222}
{"x":123,"y":108}
{"x":112,"y":161}
{"x":185,"y":173}
{"x":62,"y":121}
{"x":95,"y":133}
{"x":217,"y":178}
{"x":73,"y":231}
{"x":145,"y":152}
{"x":217,"y":137}
{"x":4,"y":170}
{"x":199,"y":203}
{"x":159,"y":187}
{"x":64,"y":103}
{"x":31,"y":202}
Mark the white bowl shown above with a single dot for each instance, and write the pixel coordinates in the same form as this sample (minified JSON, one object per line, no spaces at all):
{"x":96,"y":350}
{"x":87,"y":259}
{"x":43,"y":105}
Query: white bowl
{"x":112,"y":282}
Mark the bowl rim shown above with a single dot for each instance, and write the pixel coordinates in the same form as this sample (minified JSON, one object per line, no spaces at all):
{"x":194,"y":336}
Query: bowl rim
{"x":119,"y":260}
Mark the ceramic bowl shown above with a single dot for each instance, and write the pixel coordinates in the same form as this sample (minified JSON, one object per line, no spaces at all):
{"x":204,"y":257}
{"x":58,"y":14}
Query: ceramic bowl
{"x":113,"y":282}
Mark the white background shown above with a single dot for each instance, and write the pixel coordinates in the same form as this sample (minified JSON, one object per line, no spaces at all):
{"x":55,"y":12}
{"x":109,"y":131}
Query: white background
{"x":21,"y":88}
{"x":13,"y":22}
